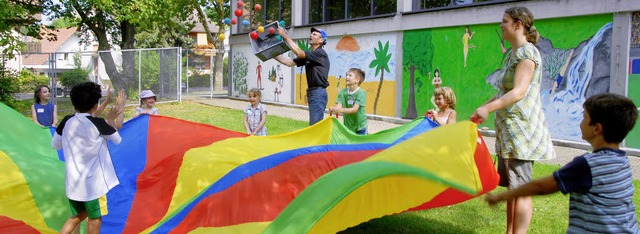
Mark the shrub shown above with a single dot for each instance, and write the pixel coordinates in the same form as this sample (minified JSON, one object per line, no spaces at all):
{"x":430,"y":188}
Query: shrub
{"x":73,"y":77}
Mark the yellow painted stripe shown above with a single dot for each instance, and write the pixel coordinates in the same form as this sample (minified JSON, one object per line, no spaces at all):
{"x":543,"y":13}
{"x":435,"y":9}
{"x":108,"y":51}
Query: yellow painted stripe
{"x":377,"y":198}
{"x":254,"y":227}
{"x":16,"y":199}
{"x":447,"y":151}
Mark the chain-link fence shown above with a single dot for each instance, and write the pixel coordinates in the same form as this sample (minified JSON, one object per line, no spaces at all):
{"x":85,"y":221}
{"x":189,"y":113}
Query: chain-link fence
{"x":170,"y":73}
{"x":205,"y":73}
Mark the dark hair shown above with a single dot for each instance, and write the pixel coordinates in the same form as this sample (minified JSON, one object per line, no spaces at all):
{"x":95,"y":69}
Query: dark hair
{"x":359,"y":73}
{"x":85,"y":96}
{"x":616,"y":113}
{"x":523,"y":15}
{"x":36,"y":93}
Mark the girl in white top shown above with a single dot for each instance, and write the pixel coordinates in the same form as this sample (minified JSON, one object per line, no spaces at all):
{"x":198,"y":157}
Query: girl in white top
{"x":255,"y":115}
{"x":147,"y":100}
{"x":446,"y":104}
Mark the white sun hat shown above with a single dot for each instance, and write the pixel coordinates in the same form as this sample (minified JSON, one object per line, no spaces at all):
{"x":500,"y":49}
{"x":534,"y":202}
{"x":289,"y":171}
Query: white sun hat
{"x":146,"y":94}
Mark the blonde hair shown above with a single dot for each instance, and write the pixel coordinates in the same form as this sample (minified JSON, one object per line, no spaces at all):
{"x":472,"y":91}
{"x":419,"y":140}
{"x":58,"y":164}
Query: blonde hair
{"x":255,"y":91}
{"x":359,"y":74}
{"x":447,"y":94}
{"x":523,"y":15}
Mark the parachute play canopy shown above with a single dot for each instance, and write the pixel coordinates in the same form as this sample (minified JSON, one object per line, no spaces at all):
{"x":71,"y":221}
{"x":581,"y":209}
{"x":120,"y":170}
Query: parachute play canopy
{"x":179,"y":176}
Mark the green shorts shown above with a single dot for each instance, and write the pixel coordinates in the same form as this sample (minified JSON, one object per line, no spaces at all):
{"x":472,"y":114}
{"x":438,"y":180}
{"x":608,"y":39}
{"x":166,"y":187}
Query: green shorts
{"x":94,"y":208}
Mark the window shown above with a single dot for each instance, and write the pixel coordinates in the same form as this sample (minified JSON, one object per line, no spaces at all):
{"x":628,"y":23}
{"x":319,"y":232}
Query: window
{"x":334,"y":10}
{"x":272,"y":10}
{"x":430,"y":4}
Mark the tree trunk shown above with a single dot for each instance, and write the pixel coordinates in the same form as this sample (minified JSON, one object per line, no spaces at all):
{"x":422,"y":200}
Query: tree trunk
{"x":375,"y":105}
{"x":411,"y":112}
{"x":218,"y":63}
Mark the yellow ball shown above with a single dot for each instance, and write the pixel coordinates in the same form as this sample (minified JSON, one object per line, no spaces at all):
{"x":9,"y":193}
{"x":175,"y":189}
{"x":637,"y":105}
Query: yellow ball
{"x":221,"y":37}
{"x":260,"y":29}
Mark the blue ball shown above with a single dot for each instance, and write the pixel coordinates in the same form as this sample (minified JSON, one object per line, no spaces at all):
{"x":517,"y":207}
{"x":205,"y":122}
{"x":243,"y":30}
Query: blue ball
{"x":282,"y":23}
{"x":245,"y":22}
{"x":227,"y":21}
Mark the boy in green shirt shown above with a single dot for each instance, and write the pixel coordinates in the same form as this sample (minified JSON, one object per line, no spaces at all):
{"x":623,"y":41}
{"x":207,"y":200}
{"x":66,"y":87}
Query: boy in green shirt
{"x":351,"y":103}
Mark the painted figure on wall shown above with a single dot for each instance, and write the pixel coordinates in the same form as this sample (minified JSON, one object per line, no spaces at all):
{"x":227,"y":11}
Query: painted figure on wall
{"x":466,"y":37}
{"x":437,"y":81}
{"x":279,"y":84}
{"x":259,"y":73}
{"x":561,"y":74}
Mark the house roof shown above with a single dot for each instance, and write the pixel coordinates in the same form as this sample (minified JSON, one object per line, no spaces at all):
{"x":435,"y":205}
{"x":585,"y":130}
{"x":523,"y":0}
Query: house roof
{"x":198,"y":28}
{"x":47,"y":46}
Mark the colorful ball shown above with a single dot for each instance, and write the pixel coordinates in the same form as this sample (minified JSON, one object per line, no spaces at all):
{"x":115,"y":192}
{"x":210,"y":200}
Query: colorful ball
{"x":245,"y":22}
{"x":227,"y":21}
{"x":278,"y":37}
{"x":221,"y":37}
{"x":234,"y":21}
{"x":240,"y":3}
{"x":238,"y":12}
{"x":260,"y":29}
{"x":282,"y":23}
{"x":272,"y":30}
{"x":257,"y":7}
{"x":253,"y":35}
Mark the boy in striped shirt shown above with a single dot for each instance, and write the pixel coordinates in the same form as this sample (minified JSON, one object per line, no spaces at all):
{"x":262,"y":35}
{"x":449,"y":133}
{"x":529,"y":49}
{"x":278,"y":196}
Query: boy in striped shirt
{"x":599,"y":183}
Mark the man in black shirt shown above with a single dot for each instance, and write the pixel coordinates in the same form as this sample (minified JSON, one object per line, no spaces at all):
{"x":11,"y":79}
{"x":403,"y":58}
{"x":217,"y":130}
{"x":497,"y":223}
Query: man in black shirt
{"x":316,"y":62}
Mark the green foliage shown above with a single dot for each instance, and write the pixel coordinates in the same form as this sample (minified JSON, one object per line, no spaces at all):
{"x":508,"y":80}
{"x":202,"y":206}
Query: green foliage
{"x":73,"y":77}
{"x":240,"y":70}
{"x":18,"y":17}
{"x":8,"y":86}
{"x":381,"y":63}
{"x":65,"y":22}
{"x":27,"y":81}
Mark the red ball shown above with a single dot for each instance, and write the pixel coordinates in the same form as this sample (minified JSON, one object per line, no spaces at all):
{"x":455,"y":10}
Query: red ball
{"x":240,"y":3}
{"x":257,"y":7}
{"x":272,"y":30}
{"x":253,"y":35}
{"x":234,"y":21}
{"x":238,"y":12}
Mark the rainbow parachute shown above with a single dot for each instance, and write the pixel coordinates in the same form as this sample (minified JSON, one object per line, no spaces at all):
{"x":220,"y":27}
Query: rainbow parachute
{"x":180,"y":176}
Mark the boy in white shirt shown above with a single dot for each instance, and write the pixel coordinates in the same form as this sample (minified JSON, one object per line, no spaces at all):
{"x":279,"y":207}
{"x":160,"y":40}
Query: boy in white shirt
{"x":89,"y":171}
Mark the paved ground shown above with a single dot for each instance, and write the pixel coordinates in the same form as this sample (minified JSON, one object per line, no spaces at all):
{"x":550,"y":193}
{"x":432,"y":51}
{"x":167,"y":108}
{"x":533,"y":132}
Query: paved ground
{"x":379,"y":123}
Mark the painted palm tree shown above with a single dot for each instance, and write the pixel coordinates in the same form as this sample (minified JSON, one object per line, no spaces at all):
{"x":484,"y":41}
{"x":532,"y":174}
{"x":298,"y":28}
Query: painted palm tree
{"x":304,"y":45}
{"x":381,"y":63}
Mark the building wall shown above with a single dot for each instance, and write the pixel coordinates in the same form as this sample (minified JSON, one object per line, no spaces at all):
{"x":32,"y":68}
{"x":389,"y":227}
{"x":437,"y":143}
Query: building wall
{"x":587,"y":37}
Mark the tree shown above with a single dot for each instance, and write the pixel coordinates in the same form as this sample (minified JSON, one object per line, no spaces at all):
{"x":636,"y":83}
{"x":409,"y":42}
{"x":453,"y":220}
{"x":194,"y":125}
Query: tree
{"x":114,"y":23}
{"x":216,"y":10}
{"x":418,"y":54}
{"x":240,"y":71}
{"x":381,"y":63}
{"x":20,"y":18}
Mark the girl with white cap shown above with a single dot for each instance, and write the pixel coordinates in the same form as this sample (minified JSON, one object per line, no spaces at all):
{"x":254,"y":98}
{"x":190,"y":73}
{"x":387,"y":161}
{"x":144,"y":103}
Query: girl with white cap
{"x":147,"y":100}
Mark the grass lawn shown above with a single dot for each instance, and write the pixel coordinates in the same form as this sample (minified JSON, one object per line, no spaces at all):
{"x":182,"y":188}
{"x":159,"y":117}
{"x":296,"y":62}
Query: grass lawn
{"x":474,"y":216}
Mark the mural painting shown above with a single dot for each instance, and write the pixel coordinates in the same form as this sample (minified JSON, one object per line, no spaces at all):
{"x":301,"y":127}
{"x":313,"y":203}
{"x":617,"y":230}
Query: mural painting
{"x":375,"y":55}
{"x":633,"y":91}
{"x":270,"y":77}
{"x":576,"y":65}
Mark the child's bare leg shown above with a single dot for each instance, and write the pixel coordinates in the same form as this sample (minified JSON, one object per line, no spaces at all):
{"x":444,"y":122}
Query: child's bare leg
{"x":523,"y":209}
{"x":93,"y":225}
{"x":510,"y":214}
{"x":73,"y":222}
